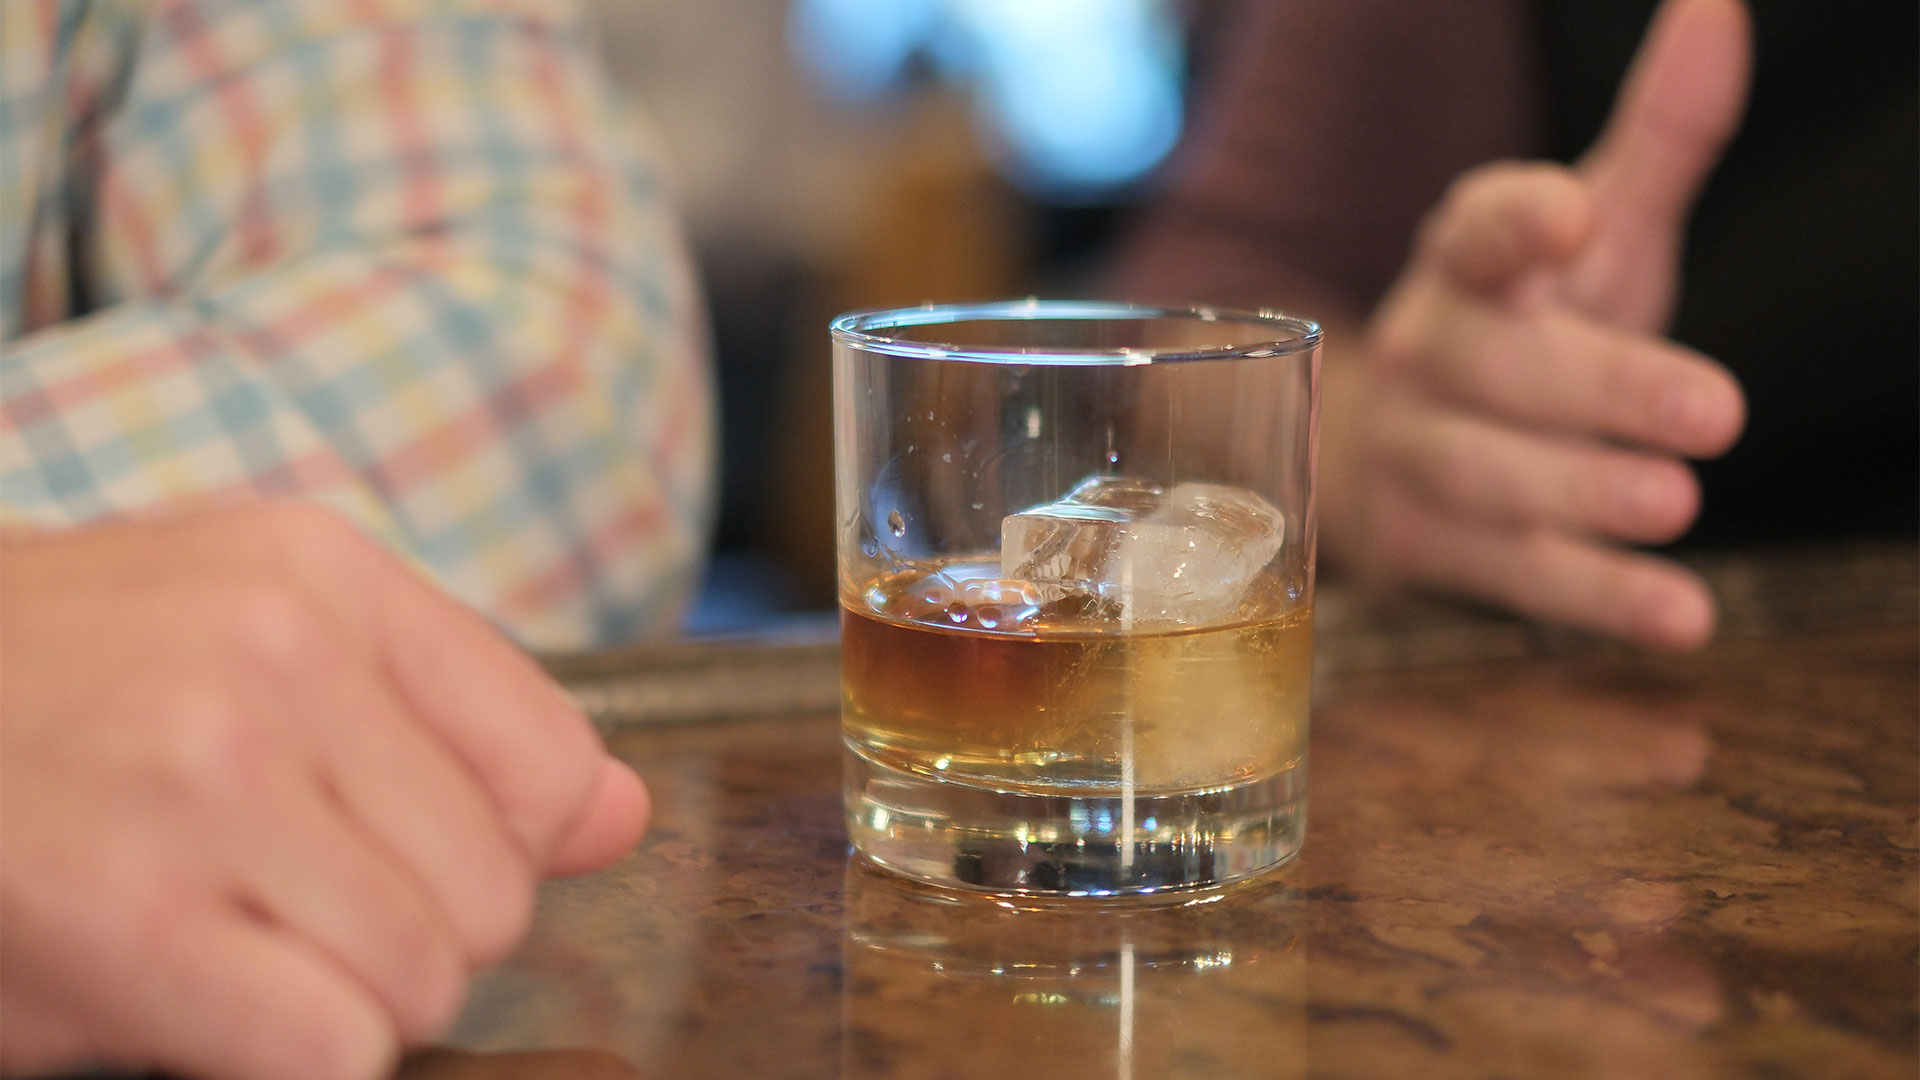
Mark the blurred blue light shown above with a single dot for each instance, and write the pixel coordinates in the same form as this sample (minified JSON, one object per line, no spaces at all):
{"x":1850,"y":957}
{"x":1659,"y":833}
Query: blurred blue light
{"x":1082,"y":113}
{"x":1075,"y":99}
{"x":859,"y":49}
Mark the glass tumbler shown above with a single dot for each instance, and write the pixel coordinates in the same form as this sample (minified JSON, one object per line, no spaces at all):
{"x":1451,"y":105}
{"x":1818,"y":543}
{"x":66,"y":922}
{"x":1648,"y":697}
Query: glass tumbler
{"x":1076,"y":572}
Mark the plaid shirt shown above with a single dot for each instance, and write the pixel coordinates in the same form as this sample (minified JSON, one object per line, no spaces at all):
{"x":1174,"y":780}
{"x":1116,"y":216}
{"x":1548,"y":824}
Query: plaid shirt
{"x":394,"y":256}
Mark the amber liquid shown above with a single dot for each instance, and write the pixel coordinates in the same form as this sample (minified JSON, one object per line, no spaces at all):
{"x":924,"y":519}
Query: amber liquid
{"x":1067,"y":702}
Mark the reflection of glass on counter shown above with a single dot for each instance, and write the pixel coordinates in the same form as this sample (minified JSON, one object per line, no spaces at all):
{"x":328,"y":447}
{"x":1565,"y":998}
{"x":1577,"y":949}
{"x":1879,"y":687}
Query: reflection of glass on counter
{"x":939,"y":984}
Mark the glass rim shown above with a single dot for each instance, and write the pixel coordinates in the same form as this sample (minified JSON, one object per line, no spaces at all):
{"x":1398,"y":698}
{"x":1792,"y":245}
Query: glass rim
{"x":857,"y":329}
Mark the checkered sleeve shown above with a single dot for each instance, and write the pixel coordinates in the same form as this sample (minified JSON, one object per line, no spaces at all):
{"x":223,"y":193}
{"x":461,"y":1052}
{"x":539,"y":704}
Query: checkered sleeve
{"x":402,"y":258}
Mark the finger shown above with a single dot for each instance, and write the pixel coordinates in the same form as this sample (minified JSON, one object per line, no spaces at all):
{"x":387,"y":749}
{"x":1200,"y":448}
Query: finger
{"x":1679,"y":105}
{"x":1549,"y":576}
{"x":1502,"y":221}
{"x":1477,"y":469}
{"x":406,"y":788}
{"x":323,"y":877}
{"x":615,"y":816}
{"x":227,"y":998}
{"x":1559,"y":371}
{"x":532,"y":750}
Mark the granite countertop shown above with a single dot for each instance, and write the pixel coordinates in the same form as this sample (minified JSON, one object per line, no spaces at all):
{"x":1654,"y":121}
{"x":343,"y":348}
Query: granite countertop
{"x":1533,"y":859}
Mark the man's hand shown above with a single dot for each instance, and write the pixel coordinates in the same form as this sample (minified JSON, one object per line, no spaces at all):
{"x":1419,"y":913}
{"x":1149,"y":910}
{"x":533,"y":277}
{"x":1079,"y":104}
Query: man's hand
{"x":1518,"y":416}
{"x":267,"y":798}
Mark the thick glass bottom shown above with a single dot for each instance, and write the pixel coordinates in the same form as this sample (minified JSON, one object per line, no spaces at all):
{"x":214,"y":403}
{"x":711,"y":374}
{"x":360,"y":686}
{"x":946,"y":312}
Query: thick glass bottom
{"x":963,"y":835}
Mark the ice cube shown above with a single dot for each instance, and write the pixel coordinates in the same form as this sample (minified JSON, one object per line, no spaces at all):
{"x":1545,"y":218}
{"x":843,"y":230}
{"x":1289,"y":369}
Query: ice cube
{"x":1207,"y":711}
{"x":1132,"y":497}
{"x":1061,"y":547}
{"x":1190,"y":561}
{"x":1146,"y":557}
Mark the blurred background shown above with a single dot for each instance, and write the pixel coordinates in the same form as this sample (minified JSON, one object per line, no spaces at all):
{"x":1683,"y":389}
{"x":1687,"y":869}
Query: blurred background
{"x":834,"y":154}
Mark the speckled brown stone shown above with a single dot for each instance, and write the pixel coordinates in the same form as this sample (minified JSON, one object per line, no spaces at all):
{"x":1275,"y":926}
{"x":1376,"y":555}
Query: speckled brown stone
{"x":1588,"y":866}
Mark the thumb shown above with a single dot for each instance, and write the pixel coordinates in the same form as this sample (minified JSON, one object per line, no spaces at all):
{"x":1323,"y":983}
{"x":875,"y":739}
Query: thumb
{"x":1677,"y":109}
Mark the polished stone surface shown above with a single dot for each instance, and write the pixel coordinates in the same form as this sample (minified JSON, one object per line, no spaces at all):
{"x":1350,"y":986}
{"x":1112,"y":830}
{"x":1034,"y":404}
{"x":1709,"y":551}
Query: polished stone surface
{"x":1594,"y":865}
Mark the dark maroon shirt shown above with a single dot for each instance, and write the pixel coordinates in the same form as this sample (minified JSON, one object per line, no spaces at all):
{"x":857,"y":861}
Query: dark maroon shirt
{"x":1330,"y":127}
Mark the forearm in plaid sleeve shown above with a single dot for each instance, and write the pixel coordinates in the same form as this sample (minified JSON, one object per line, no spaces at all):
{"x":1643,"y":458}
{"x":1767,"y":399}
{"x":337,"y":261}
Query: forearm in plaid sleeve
{"x":407,"y":269}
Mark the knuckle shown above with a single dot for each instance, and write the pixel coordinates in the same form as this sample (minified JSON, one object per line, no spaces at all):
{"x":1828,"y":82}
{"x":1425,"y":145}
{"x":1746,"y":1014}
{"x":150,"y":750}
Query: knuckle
{"x":213,"y":747}
{"x":1470,"y":193}
{"x":279,"y":632}
{"x":1493,"y":216}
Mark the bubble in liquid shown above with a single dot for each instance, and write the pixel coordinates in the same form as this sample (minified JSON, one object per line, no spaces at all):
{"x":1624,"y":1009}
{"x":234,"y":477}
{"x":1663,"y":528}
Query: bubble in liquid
{"x":1113,"y":457}
{"x":896,"y":524}
{"x":997,"y":604}
{"x":870,"y":546}
{"x":957,"y":612}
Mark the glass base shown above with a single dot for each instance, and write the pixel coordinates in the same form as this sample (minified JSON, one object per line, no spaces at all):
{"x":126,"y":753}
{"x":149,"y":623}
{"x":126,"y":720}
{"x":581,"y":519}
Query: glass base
{"x":1098,"y":843}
